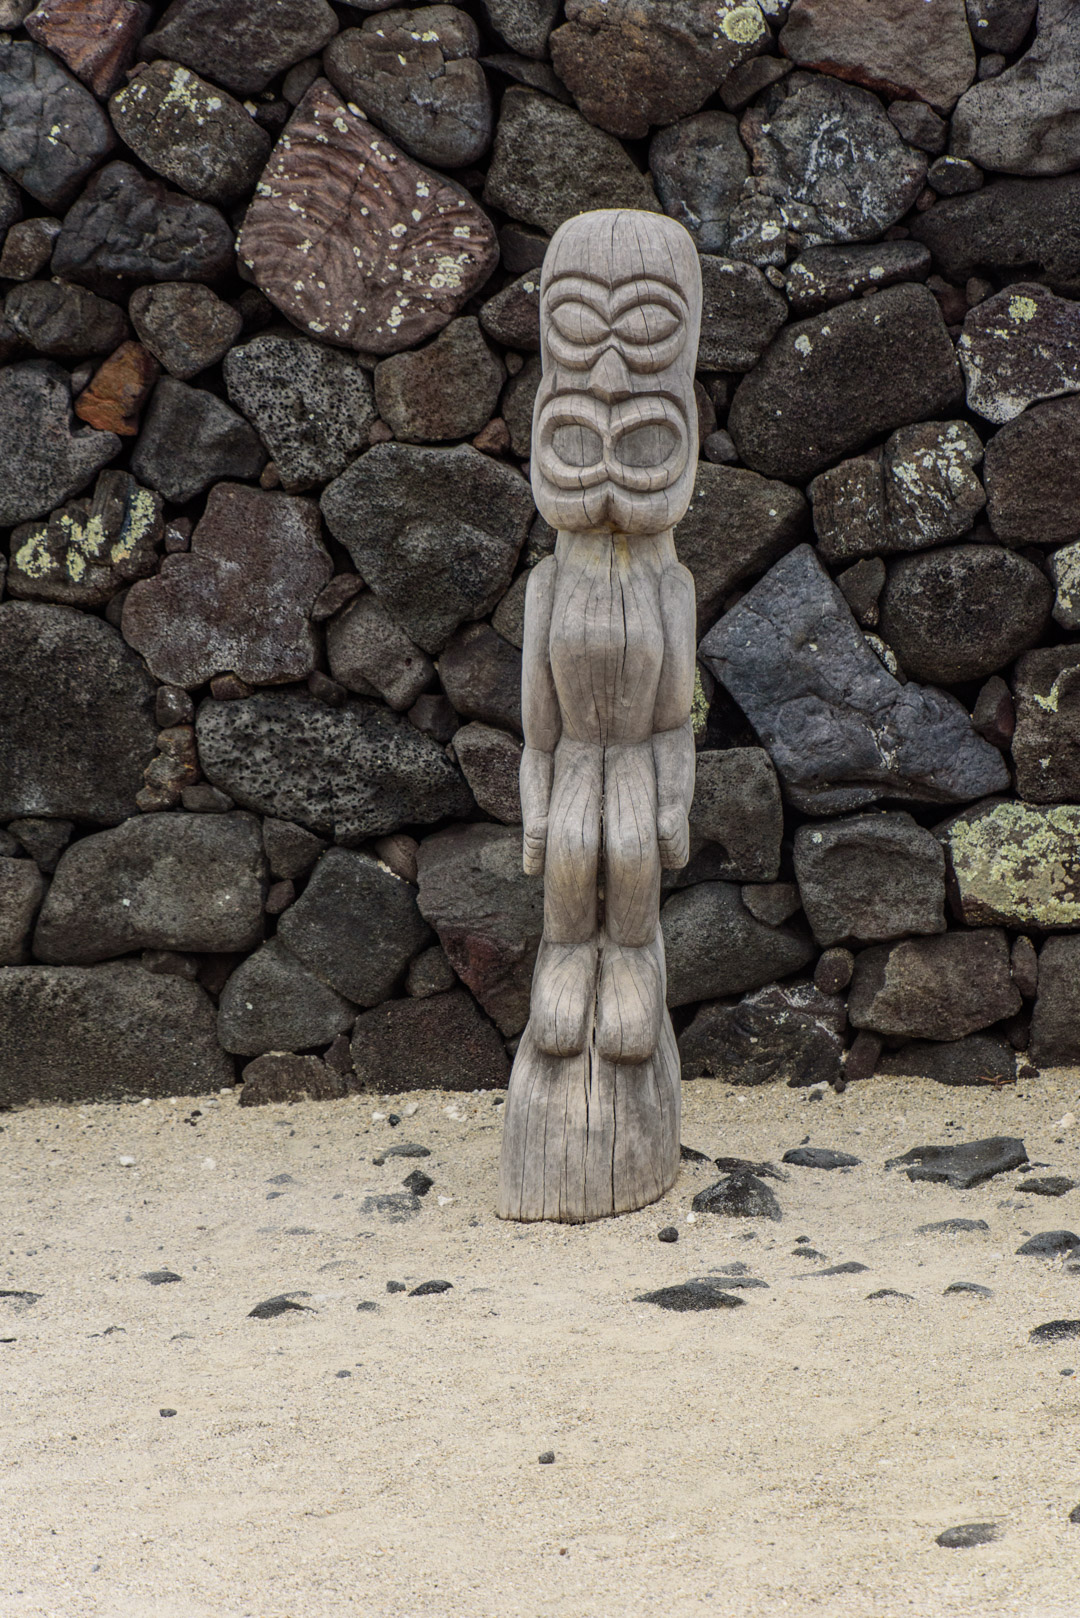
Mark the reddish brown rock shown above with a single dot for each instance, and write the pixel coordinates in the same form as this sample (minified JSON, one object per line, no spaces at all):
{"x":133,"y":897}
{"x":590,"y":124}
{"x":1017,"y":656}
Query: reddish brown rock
{"x":239,"y":600}
{"x":441,"y":1042}
{"x":97,"y":39}
{"x":899,"y":47}
{"x":378,"y":278}
{"x":118,"y":390}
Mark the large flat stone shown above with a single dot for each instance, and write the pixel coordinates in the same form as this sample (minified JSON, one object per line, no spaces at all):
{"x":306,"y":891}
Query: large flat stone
{"x":1023,"y":121}
{"x":46,"y":458}
{"x":441,"y":1042}
{"x":1027,"y":502}
{"x":176,"y":881}
{"x":105,"y":1033}
{"x":934,"y":988}
{"x":76,"y":714}
{"x":1015,"y":864}
{"x":831,"y":383}
{"x":839,"y":728}
{"x":910,"y":48}
{"x":716,"y":947}
{"x":1032,"y":226}
{"x":273,"y":1003}
{"x":870,"y":878}
{"x":52,"y":131}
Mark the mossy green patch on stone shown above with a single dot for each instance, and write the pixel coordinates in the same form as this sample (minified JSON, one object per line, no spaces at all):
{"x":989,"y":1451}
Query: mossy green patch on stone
{"x":1018,"y":864}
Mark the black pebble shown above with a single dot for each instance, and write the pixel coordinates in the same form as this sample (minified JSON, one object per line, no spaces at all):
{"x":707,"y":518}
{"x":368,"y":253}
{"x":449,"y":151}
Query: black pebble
{"x":378,"y":1161}
{"x":1051,"y":1185}
{"x":26,"y":1298}
{"x":739,"y":1196}
{"x":806,"y":1252}
{"x":1055,"y":1331}
{"x":968,"y":1286}
{"x":689,"y":1154}
{"x":948,"y":1226}
{"x":968,"y":1533}
{"x":275,"y":1306}
{"x":427,"y":1289}
{"x":850,"y":1266}
{"x":160,"y":1278}
{"x":342,"y":1373}
{"x":166,"y":1412}
{"x":668,"y":1234}
{"x":820,"y":1157}
{"x":1048,"y":1243}
{"x":889,"y":1292}
{"x":692,"y":1295}
{"x":393,"y":1119}
{"x":547,"y":1458}
{"x":408,"y":1148}
{"x":281,"y":1179}
{"x":418,"y":1182}
{"x":1074,"y":1515}
{"x":366,"y":1307}
{"x":396,"y":1286}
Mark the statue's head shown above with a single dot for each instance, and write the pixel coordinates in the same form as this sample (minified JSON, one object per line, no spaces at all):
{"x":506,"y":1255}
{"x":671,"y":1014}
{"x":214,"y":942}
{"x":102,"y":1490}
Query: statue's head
{"x":614,"y":439}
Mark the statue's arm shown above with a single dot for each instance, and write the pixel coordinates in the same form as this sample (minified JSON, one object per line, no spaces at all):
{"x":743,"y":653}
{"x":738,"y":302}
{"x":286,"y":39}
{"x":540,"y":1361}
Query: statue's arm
{"x":673,"y":736}
{"x":540,"y":717}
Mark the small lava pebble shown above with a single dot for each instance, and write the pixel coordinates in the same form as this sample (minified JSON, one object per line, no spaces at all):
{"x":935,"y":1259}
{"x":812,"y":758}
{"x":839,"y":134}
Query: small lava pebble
{"x":366,"y":1306}
{"x":547,"y":1458}
{"x":668,"y":1234}
{"x":166,"y":1412}
{"x":966,"y":1534}
{"x":393,"y":1119}
{"x":342,"y":1373}
{"x":418,"y":1182}
{"x":396,"y":1286}
{"x":427,"y":1289}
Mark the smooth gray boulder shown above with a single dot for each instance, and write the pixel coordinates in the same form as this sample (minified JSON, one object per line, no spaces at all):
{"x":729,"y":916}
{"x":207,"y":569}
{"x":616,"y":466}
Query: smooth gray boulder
{"x":869,"y":878}
{"x":934,"y":988}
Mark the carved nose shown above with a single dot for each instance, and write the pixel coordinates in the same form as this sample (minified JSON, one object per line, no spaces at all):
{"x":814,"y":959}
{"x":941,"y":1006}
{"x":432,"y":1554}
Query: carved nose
{"x":609,"y":378}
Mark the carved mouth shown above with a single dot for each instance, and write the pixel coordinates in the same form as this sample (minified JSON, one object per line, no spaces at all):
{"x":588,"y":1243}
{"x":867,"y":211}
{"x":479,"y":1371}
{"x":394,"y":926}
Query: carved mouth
{"x":639,"y":445}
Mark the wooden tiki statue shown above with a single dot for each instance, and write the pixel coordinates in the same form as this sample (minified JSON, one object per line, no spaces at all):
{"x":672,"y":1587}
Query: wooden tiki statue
{"x":592,"y":1115}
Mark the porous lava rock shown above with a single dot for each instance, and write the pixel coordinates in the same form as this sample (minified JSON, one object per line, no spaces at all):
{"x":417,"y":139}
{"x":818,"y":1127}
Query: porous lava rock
{"x":715,"y":946}
{"x":1015,"y":864}
{"x":1046,"y":742}
{"x":823,"y":276}
{"x":1017,"y":347}
{"x":740,"y":314}
{"x":439,"y":1042}
{"x":736,"y":524}
{"x":1055,"y":1024}
{"x":312,"y":406}
{"x":447,"y":390}
{"x":190,"y":132}
{"x":490,"y":761}
{"x":96,"y":39}
{"x":62,"y":321}
{"x":738,"y":812}
{"x":973,"y":1060}
{"x":88,"y":550}
{"x":1031,"y":226}
{"x":273,"y":1003}
{"x":1024,"y":505}
{"x":372,"y":655}
{"x":789,"y":1033}
{"x":21,"y":889}
{"x":186,"y":326}
{"x":190,"y":438}
{"x":934,"y":988}
{"x":481,"y":674}
{"x":114,"y":397}
{"x":1023,"y":121}
{"x":698,"y":166}
{"x":45,"y":456}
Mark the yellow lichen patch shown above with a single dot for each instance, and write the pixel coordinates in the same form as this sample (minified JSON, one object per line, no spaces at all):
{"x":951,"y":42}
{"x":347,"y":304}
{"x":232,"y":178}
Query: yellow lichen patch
{"x":1022,"y":308}
{"x":1019,"y":864}
{"x":743,"y":24}
{"x":699,"y":707}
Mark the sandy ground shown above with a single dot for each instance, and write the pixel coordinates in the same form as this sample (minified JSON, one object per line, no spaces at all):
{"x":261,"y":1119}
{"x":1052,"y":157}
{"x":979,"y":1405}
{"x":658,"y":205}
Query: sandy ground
{"x":797,"y":1455}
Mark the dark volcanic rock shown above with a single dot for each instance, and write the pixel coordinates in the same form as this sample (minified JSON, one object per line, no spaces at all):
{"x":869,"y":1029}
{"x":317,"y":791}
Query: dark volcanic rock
{"x":899,"y":47}
{"x":1023,"y":121}
{"x":77,"y":715}
{"x":490,"y":761}
{"x":356,"y":926}
{"x":45,"y":458}
{"x":185,"y":326}
{"x":89,"y":549}
{"x":182,"y":882}
{"x":918,"y":489}
{"x":820,"y":1157}
{"x":829,"y":384}
{"x":740,"y":315}
{"x":434,"y":532}
{"x":1055,"y":1026}
{"x":290,"y":850}
{"x":960,"y":612}
{"x":698,"y":166}
{"x":823,"y":276}
{"x":312,"y":406}
{"x":870,"y":878}
{"x":1018,"y":347}
{"x":739,"y":1196}
{"x":487,"y":912}
{"x":737,"y":524}
{"x":242,"y":44}
{"x":737,"y":812}
{"x":369,"y":654}
{"x":690,"y":1295}
{"x":973,"y":1060}
{"x":512,"y":316}
{"x":104,"y":1033}
{"x":965,"y":1165}
{"x":1025,"y":507}
{"x":270,"y":1308}
{"x":549,"y":164}
{"x":353,"y":241}
{"x":415,"y":74}
{"x":830,"y":167}
{"x":1046,"y":743}
{"x":839,"y":728}
{"x":1015,"y":865}
{"x":934,"y":988}
{"x":441,"y":1042}
{"x":97,"y":39}
{"x":52,"y":131}
{"x":272,"y":1003}
{"x":1055,"y":1331}
{"x":280,"y":1076}
{"x":716,"y":947}
{"x":967,"y":1534}
{"x":64,"y":322}
{"x":447,"y":390}
{"x":21,"y":889}
{"x":190,"y":132}
{"x":239,"y":600}
{"x":1049,"y":1185}
{"x":126,"y":228}
{"x":481,"y":674}
{"x":951,"y":1227}
{"x":789,"y":1033}
{"x":1049,"y":1243}
{"x":351,"y":772}
{"x":190,"y":439}
{"x":1032,"y":226}
{"x":632,"y":63}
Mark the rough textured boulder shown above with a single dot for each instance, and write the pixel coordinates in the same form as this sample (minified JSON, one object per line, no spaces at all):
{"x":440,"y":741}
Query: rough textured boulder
{"x":490,"y":761}
{"x":190,"y":132}
{"x":185,"y":326}
{"x":434,"y":532}
{"x":715,"y":946}
{"x":439,"y":1042}
{"x":839,"y":728}
{"x":21,"y":890}
{"x":1024,"y":120}
{"x":1046,"y":743}
{"x":273,"y":1003}
{"x":77,"y":715}
{"x":52,"y":131}
{"x":105,"y":1033}
{"x":64,"y":322}
{"x":791,"y":1034}
{"x":975,"y":1059}
{"x":829,"y":384}
{"x":870,"y":878}
{"x":355,"y":925}
{"x":241,"y":43}
{"x":447,"y":390}
{"x":962,"y":611}
{"x":1024,"y":505}
{"x":823,"y":276}
{"x":1025,"y":225}
{"x":1015,"y":864}
{"x":481,"y":674}
{"x":369,"y":654}
{"x":96,"y":39}
{"x":698,"y":167}
{"x":487,"y":913}
{"x":90,"y":549}
{"x":899,"y":47}
{"x":1055,"y":1025}
{"x":738,"y":814}
{"x":190,"y":439}
{"x":934,"y":988}
{"x":333,"y":238}
{"x":312,"y":406}
{"x":281,"y":1076}
{"x":239,"y":600}
{"x":736,"y":524}
{"x":181,"y":882}
{"x":46,"y":458}
{"x":1019,"y":346}
{"x":740,"y":314}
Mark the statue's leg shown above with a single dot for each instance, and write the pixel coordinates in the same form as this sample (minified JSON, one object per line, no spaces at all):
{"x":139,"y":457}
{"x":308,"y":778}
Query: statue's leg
{"x":564,"y":982}
{"x":630,"y":1004}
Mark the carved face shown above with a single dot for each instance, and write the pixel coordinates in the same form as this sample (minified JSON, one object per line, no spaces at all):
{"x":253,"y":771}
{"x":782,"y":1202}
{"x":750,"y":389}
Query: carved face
{"x":614,"y":440}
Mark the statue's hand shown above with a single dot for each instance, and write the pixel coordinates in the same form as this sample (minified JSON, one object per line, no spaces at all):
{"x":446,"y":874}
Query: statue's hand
{"x":534,"y":845}
{"x":673,"y":834}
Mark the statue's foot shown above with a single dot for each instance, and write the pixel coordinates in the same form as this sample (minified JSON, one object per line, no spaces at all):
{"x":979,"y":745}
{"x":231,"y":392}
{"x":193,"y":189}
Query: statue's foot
{"x":563,"y":991}
{"x":630,"y":1003}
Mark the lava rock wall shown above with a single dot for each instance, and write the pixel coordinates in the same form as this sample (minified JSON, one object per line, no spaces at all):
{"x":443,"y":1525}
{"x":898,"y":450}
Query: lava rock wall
{"x":268,"y":353}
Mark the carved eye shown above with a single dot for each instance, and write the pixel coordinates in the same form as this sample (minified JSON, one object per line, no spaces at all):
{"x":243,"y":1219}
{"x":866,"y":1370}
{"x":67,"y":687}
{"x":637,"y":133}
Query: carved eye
{"x":646,"y":323}
{"x":651,"y":444}
{"x":580,"y":324}
{"x":577,"y":446}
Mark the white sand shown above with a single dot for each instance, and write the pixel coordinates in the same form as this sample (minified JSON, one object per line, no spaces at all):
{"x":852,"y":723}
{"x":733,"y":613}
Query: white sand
{"x":797,"y":1455}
